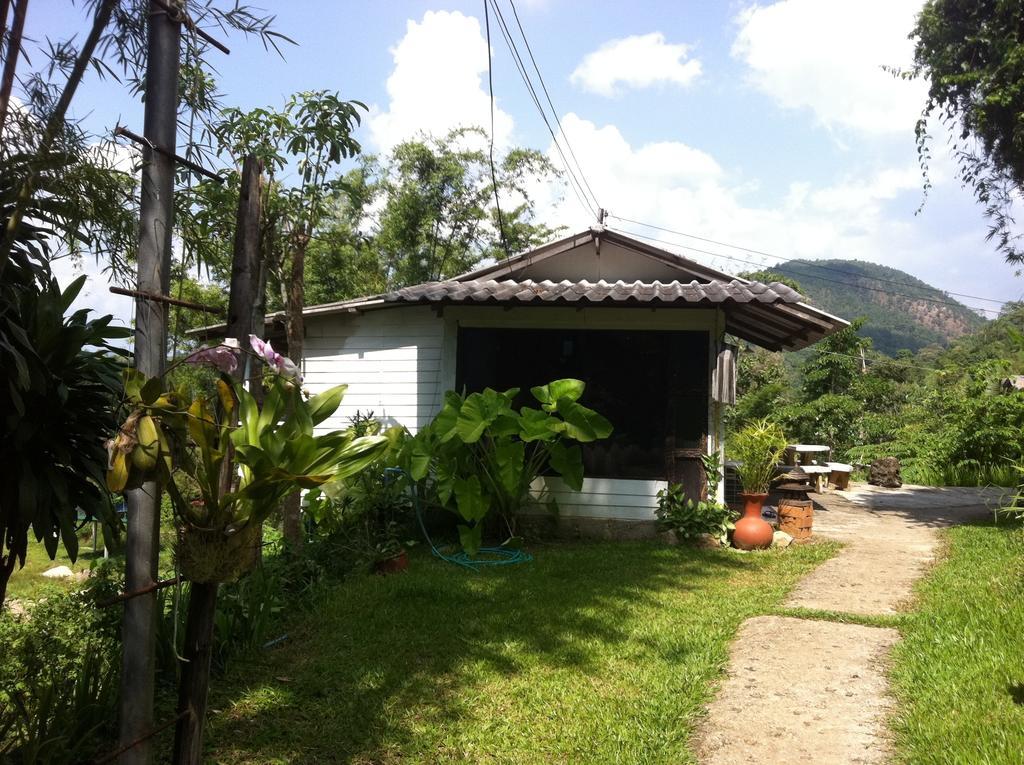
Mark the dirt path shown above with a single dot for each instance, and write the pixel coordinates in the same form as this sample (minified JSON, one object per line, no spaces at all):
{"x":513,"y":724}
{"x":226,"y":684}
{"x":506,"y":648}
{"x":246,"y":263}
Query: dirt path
{"x":805,"y":691}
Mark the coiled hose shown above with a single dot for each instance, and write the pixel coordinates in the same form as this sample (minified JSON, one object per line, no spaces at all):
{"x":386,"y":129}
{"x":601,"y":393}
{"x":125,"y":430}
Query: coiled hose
{"x":492,"y":556}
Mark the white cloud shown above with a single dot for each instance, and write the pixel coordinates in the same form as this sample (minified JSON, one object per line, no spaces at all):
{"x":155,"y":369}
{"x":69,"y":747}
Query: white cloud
{"x":828,"y":57}
{"x":639,"y":61}
{"x":437,"y":83}
{"x":867,"y":214}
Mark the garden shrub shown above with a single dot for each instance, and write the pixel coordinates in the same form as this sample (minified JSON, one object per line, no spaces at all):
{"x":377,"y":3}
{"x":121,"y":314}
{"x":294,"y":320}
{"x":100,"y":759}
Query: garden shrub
{"x":689,"y":518}
{"x":479,"y":455}
{"x":58,"y":676}
{"x":369,"y":516}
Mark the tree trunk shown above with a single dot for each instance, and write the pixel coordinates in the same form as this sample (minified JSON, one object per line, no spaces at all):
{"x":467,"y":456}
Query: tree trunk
{"x":156,"y":222}
{"x":243,"y":300}
{"x":13,"y":54}
{"x":195,"y":674}
{"x":295,"y":329}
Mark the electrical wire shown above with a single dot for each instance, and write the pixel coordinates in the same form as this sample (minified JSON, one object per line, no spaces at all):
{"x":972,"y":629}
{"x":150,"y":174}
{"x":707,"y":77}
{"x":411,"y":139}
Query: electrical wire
{"x":809,"y":276}
{"x":494,"y":175}
{"x":780,"y":258}
{"x":574,"y":182}
{"x":554,"y":111}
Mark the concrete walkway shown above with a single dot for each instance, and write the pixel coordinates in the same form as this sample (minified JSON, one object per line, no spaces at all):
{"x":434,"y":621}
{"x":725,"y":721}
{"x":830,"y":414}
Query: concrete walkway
{"x":807,"y":691}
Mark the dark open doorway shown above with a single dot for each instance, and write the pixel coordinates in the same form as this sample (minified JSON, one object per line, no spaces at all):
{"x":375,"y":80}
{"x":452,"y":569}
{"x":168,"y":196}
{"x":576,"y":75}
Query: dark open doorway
{"x":652,"y":385}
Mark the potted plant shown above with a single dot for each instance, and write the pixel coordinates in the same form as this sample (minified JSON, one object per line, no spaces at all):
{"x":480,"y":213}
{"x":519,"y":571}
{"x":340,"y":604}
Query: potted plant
{"x":758,"y":448}
{"x":389,"y":551}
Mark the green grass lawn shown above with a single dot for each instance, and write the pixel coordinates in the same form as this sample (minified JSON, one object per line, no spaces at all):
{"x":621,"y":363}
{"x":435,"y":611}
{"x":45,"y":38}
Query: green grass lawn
{"x":593,"y":653}
{"x":28,"y":583}
{"x":958,"y":673}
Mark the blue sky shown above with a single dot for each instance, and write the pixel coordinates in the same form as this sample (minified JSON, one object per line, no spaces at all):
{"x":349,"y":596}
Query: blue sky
{"x":767,"y":125}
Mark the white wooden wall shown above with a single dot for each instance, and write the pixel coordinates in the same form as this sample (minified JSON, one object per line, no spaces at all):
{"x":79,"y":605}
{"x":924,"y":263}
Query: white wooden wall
{"x":390,"y":359}
{"x":399,"y":361}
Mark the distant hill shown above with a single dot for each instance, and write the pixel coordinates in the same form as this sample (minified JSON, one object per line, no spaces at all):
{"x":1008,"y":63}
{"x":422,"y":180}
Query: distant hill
{"x":910,"y":319}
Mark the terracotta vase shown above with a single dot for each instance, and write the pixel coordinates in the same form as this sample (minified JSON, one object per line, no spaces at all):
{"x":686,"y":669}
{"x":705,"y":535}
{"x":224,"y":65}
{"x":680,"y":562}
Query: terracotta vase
{"x":752,"y":532}
{"x":392,"y":565}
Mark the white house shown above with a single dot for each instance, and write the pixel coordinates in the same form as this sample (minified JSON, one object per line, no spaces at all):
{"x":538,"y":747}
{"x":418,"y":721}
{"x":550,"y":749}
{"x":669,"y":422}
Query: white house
{"x":644,"y":328}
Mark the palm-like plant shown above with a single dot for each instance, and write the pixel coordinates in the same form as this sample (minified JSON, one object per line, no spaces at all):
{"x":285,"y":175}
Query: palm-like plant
{"x":758,"y":447}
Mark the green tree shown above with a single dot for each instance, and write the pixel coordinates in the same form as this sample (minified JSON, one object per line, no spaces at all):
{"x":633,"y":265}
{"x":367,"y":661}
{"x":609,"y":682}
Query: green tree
{"x":439,"y":218}
{"x":972,"y":55}
{"x":314,"y":129}
{"x":834,"y":363}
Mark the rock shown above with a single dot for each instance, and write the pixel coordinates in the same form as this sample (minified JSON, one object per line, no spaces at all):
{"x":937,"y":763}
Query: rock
{"x":707,"y":542}
{"x":885,"y":472}
{"x":82,"y":575}
{"x":58,"y":572}
{"x":781,"y":539}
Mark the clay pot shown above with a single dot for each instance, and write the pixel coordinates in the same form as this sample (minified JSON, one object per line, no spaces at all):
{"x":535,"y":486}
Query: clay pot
{"x":392,"y":565}
{"x":752,"y":532}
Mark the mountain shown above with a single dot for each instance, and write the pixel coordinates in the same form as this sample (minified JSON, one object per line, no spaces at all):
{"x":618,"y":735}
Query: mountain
{"x":901,"y":310}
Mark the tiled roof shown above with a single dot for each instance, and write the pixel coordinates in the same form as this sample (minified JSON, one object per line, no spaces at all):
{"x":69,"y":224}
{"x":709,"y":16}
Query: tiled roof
{"x":529,"y":291}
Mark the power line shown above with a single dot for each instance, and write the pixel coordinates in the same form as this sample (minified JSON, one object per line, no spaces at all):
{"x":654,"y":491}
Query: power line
{"x":494,"y":175}
{"x":782,"y":259}
{"x":811,"y":276}
{"x":554,"y":111}
{"x":893,"y":362}
{"x":574,"y":182}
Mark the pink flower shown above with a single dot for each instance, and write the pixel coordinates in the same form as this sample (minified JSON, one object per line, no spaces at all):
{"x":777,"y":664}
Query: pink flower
{"x":221,"y":356}
{"x":282,"y":365}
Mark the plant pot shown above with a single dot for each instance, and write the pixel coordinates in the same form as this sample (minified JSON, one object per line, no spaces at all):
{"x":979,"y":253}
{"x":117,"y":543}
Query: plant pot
{"x":392,"y":565}
{"x":752,"y":532}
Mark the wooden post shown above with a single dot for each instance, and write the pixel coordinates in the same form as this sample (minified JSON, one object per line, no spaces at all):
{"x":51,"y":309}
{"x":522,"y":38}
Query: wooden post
{"x":202,"y":602}
{"x":156,"y":220}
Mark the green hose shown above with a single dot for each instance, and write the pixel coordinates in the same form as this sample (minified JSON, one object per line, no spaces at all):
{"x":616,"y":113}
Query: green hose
{"x":497,"y":556}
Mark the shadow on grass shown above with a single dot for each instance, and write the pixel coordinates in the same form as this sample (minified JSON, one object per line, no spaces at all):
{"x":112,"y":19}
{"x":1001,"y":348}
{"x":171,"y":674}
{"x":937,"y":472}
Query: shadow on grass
{"x":380,"y":660}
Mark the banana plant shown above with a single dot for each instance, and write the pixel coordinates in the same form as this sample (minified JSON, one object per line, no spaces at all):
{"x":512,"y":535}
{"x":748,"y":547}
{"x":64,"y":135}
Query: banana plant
{"x":483,"y":455}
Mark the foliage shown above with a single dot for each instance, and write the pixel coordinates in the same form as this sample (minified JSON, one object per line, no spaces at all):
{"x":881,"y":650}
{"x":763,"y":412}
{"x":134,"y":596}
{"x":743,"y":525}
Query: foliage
{"x":941,"y":412}
{"x":438,"y":218}
{"x":758,"y":447}
{"x":689,"y":518}
{"x":834,"y":362}
{"x":273,"y":447}
{"x":594,"y":653}
{"x":58,"y":678}
{"x":369,"y":514}
{"x":971,"y":55}
{"x":483,"y":456}
{"x":58,"y":387}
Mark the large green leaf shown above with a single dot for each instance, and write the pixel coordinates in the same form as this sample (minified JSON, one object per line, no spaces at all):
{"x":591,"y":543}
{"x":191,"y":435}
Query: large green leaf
{"x":470,"y":499}
{"x":582,"y":423}
{"x":444,"y":423}
{"x":471,"y":538}
{"x":538,"y":425}
{"x":323,"y":405}
{"x":567,"y":461}
{"x":509,"y":456}
{"x":550,"y":394}
{"x":418,"y":459}
{"x":478,"y":412}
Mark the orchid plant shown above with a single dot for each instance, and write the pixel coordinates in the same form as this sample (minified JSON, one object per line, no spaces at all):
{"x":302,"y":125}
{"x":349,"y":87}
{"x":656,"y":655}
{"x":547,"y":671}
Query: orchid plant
{"x":243,"y":457}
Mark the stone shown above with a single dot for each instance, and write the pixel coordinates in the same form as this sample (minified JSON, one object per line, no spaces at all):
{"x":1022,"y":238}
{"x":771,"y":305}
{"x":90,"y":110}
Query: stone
{"x":707,"y":542}
{"x":58,"y":572}
{"x":781,"y":539}
{"x":885,"y":472}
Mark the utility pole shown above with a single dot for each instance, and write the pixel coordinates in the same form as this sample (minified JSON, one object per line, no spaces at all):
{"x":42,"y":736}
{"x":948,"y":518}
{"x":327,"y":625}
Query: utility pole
{"x":154,"y":270}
